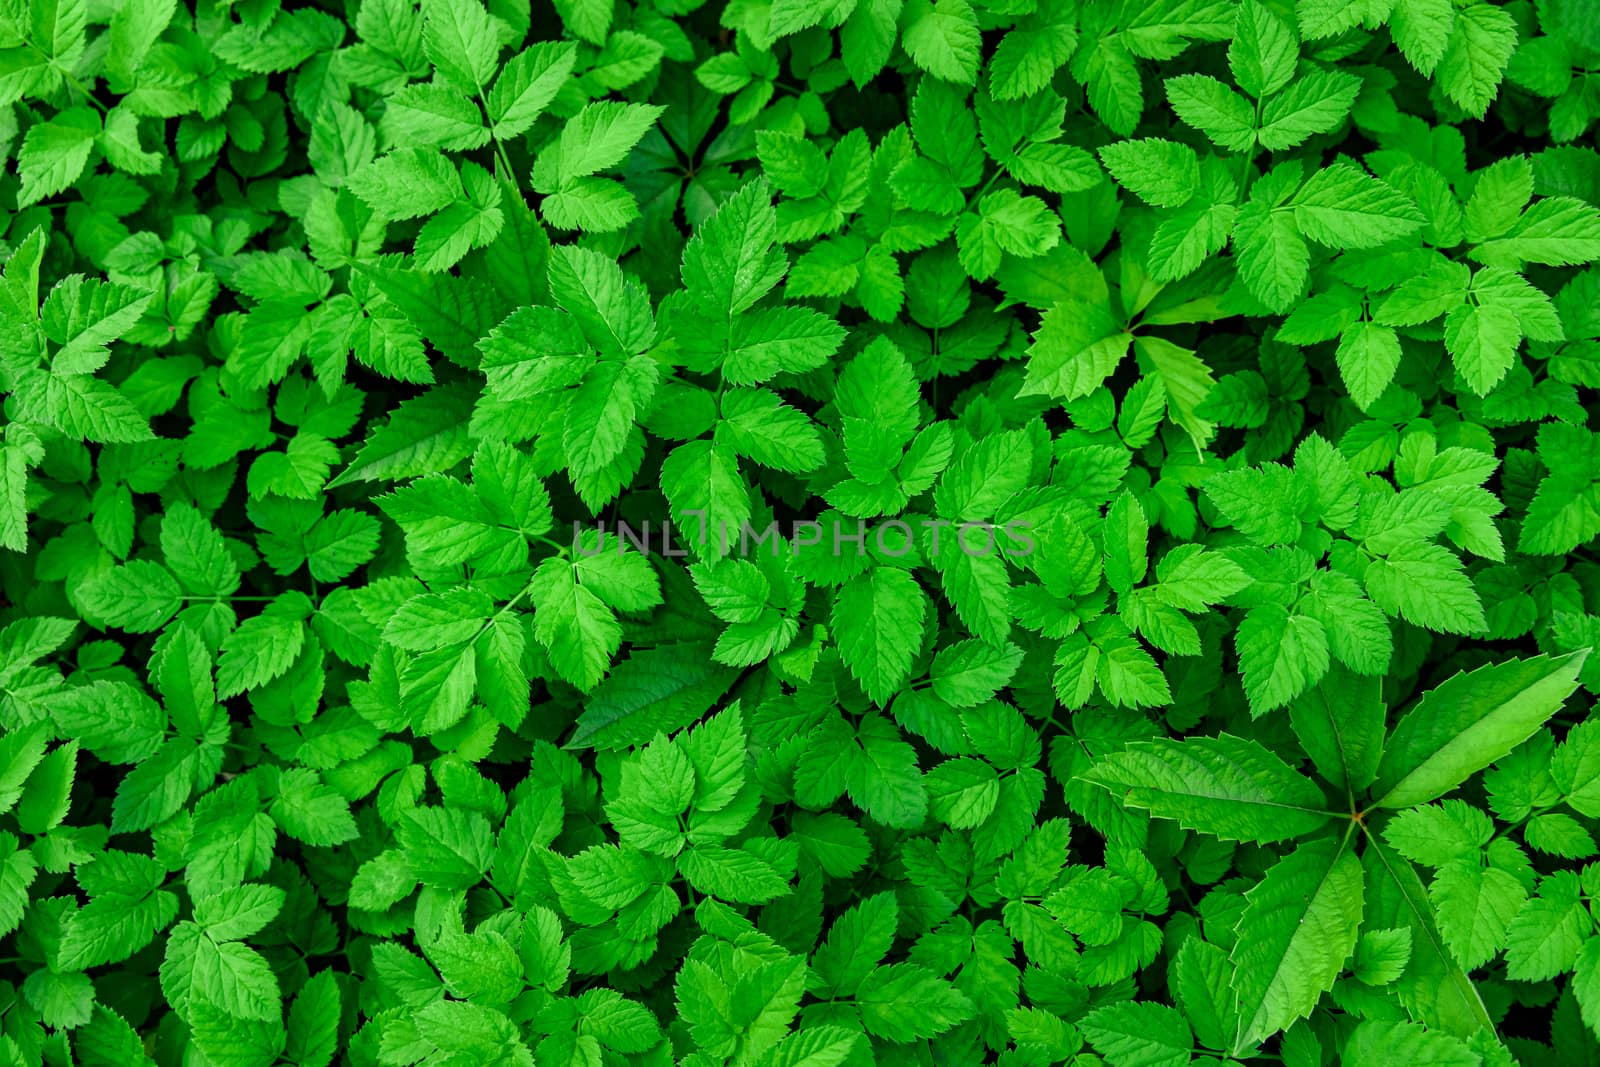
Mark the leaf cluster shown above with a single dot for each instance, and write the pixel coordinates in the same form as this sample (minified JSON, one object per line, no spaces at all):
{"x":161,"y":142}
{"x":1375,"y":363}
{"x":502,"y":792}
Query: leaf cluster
{"x":809,"y":533}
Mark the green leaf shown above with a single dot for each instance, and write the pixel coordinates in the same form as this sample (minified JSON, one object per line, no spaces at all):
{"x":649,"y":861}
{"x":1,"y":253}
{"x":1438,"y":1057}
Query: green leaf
{"x":263,"y":647}
{"x":900,"y":1002}
{"x":1343,"y":208}
{"x":1139,"y":1032}
{"x":1263,"y":53}
{"x":1315,"y":103}
{"x":1224,"y":785}
{"x":1029,"y":55}
{"x":1375,"y":1042}
{"x":107,"y":1039}
{"x":1424,"y":584}
{"x":1548,"y":933}
{"x":312,"y":1039}
{"x":48,"y":796}
{"x":114,"y":720}
{"x":1368,"y":356}
{"x":882,"y":776}
{"x":1297,"y":930}
{"x":462,"y":41}
{"x":878,"y":619}
{"x":963,"y":792}
{"x":941,"y":37}
{"x":1482,"y":340}
{"x":730,"y":260}
{"x":1381,"y":956}
{"x":1340,"y":724}
{"x":1475,"y":906}
{"x":731,"y":874}
{"x":971,"y":672}
{"x":1273,"y":257}
{"x":236,"y":913}
{"x":818,"y":1046}
{"x":654,"y":689}
{"x":1075,"y":349}
{"x":1482,"y":39}
{"x":575,"y":626}
{"x":311,"y":812}
{"x":1421,"y":30}
{"x":759,"y":425}
{"x":527,"y":85}
{"x":1161,"y":173}
{"x":127,"y":909}
{"x":1557,"y":230}
{"x":446,"y":847}
{"x":1281,"y":656}
{"x":1468,"y":722}
{"x":710,"y":503}
{"x":1433,"y":987}
{"x":408,"y":183}
{"x":1215,"y":110}
{"x":236,"y":979}
{"x":601,"y":136}
{"x":54,"y":153}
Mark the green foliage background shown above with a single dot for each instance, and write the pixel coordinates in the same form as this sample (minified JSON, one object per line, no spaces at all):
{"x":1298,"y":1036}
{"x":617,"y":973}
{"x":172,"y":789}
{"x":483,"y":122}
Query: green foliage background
{"x":327,"y":737}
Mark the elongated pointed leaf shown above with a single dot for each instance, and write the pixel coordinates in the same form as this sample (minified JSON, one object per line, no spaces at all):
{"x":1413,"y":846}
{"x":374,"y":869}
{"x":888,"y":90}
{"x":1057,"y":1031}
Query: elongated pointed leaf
{"x":1229,"y":786}
{"x":1299,"y":927}
{"x":1433,"y":987}
{"x":1468,"y":722}
{"x":1340,"y":725}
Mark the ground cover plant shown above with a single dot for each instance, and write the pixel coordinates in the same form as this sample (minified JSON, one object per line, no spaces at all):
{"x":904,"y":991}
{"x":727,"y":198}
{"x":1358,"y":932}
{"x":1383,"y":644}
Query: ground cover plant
{"x":805,"y":533}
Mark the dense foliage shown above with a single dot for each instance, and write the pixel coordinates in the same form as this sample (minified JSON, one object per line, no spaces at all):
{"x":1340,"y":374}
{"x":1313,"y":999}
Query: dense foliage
{"x":804,"y":533}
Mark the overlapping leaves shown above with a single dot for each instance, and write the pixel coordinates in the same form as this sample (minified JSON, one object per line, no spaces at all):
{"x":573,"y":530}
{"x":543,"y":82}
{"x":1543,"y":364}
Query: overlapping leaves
{"x":790,"y":534}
